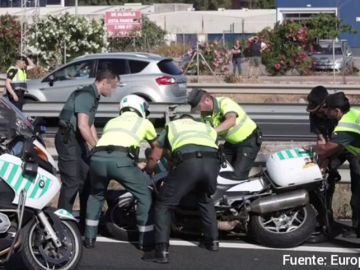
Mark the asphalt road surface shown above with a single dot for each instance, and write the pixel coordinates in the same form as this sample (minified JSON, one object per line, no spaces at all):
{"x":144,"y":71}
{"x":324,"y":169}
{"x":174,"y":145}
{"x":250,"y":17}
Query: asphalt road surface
{"x":340,"y":254}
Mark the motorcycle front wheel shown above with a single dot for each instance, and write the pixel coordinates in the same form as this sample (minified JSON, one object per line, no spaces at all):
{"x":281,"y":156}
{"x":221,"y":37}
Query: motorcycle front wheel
{"x":39,"y":253}
{"x":120,"y":220}
{"x":283,"y":229}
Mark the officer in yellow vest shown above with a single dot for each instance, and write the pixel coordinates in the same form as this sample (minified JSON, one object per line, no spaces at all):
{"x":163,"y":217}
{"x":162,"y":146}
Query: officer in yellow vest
{"x":115,"y":157}
{"x":241,"y":134}
{"x":16,"y":80}
{"x":195,"y":168}
{"x":346,"y":135}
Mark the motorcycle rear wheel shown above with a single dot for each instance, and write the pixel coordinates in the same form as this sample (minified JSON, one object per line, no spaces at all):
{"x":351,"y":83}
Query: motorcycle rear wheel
{"x":283,"y":229}
{"x":36,"y":250}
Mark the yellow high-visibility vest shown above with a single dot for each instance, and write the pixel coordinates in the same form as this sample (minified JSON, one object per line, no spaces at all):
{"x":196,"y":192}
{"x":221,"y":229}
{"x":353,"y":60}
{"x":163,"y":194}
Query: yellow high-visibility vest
{"x":128,"y":129}
{"x":244,"y":124}
{"x":350,"y":122}
{"x":187,"y":131}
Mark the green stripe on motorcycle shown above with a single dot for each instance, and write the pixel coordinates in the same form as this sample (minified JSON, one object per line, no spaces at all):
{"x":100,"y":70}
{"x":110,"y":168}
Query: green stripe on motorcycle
{"x":281,"y":156}
{"x":4,"y":169}
{"x":46,"y":187}
{"x":15,"y":180}
{"x":35,"y":190}
{"x":290,"y":155}
{"x":29,"y":183}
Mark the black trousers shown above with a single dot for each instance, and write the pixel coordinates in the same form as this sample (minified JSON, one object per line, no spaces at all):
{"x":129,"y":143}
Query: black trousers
{"x":355,"y":190}
{"x":242,"y":155}
{"x":195,"y":174}
{"x":74,"y":171}
{"x":20,"y":103}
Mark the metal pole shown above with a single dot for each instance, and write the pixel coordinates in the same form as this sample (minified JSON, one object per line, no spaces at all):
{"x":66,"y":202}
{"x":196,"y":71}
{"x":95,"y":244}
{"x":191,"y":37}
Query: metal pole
{"x":197,"y":60}
{"x":333,"y":52}
{"x":76,"y":7}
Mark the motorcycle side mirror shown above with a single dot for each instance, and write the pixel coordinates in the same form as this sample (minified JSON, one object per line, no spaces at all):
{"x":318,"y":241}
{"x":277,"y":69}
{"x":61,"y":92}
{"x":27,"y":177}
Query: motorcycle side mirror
{"x":29,"y":169}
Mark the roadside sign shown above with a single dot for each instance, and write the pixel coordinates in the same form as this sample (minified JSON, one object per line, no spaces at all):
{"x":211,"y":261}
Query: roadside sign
{"x":123,"y":23}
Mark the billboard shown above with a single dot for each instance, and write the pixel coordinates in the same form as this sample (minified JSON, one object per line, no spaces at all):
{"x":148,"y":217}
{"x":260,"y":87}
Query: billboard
{"x":123,"y":23}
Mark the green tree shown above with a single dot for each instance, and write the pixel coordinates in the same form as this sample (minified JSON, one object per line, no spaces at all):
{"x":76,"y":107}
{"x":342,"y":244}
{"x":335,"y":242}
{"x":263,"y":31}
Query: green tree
{"x":327,"y":26}
{"x":151,"y":36}
{"x":9,"y":41}
{"x":59,"y":39}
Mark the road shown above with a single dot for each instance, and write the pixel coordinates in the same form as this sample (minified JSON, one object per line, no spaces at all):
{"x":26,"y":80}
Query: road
{"x":338,"y":255}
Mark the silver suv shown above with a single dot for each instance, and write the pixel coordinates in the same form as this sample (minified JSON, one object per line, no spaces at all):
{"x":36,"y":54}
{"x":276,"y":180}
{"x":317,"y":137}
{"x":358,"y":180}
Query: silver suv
{"x":155,"y":78}
{"x":333,"y":55}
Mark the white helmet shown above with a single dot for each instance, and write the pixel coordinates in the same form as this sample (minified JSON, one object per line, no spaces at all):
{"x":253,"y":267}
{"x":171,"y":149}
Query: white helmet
{"x":136,"y":103}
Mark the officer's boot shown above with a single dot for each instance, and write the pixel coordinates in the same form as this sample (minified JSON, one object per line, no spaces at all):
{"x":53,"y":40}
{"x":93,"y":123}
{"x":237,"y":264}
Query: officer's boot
{"x":146,"y":240}
{"x":161,"y":253}
{"x":89,"y":242}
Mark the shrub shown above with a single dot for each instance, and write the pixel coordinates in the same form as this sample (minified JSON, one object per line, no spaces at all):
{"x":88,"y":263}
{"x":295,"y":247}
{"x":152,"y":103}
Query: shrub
{"x":10,"y":36}
{"x":60,"y":39}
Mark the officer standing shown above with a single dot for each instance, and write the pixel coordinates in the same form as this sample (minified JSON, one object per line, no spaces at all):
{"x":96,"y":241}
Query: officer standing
{"x":76,"y":135}
{"x":114,"y":157}
{"x":196,"y":166}
{"x":242,"y":136}
{"x":346,"y":135}
{"x":16,"y":78}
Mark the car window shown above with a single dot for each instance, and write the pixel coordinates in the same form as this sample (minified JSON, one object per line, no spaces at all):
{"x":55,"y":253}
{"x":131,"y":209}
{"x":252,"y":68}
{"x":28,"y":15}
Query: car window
{"x":329,"y":50}
{"x":169,"y":67}
{"x":137,"y":66}
{"x":120,"y":66}
{"x":75,"y":71}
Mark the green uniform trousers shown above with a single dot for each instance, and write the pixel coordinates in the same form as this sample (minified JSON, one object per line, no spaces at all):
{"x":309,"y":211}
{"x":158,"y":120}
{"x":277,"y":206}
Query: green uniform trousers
{"x":118,"y":166}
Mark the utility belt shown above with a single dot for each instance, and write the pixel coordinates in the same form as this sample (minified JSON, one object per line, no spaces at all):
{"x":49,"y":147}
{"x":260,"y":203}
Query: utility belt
{"x":179,"y":157}
{"x":132,"y":151}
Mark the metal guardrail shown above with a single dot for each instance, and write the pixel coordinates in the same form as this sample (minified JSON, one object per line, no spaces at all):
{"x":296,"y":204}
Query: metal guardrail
{"x":285,"y":89}
{"x":160,"y":110}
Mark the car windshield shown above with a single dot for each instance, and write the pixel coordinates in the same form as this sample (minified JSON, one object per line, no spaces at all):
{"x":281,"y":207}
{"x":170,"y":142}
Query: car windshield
{"x":13,"y":121}
{"x":329,"y":50}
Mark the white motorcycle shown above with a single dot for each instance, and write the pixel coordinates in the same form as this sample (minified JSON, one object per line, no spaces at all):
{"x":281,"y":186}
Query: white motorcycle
{"x":32,"y":236}
{"x":279,"y":208}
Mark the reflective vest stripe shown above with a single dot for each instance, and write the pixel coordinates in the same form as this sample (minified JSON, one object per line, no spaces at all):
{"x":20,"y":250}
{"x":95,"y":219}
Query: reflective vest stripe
{"x":147,"y":228}
{"x":348,"y":125}
{"x":132,"y":132}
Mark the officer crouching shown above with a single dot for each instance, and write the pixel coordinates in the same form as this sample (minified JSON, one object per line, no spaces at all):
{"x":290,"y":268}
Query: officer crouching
{"x":196,"y":166}
{"x":114,"y":157}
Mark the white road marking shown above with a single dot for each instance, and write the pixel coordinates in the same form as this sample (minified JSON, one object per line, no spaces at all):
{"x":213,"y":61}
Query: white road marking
{"x":250,"y":246}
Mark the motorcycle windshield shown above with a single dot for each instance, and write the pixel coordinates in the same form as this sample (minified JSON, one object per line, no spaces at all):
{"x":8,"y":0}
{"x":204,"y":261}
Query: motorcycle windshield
{"x":13,"y":121}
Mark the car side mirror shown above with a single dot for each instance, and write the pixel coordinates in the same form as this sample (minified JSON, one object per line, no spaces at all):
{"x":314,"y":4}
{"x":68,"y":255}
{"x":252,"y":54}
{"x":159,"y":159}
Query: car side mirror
{"x":51,"y":80}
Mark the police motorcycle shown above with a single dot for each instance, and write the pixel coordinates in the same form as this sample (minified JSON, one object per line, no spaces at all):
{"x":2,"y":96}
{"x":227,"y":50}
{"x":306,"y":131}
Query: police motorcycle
{"x":32,"y":236}
{"x":280,"y":207}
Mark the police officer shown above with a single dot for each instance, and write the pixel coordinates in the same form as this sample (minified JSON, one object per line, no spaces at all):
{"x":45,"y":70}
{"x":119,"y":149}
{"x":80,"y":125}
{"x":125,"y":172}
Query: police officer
{"x":346,"y":135}
{"x":114,"y":157}
{"x":76,"y":135}
{"x":16,"y":78}
{"x":196,"y":166}
{"x":241,"y":134}
{"x":323,"y":127}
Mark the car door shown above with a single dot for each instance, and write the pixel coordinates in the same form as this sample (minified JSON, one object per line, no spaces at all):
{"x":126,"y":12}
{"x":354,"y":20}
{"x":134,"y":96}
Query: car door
{"x":61,"y":83}
{"x":121,"y":67}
